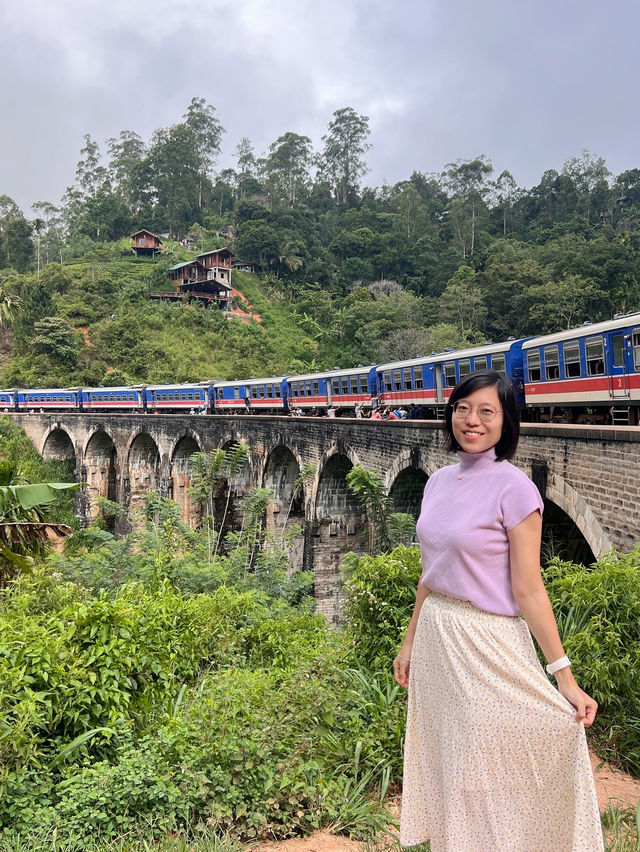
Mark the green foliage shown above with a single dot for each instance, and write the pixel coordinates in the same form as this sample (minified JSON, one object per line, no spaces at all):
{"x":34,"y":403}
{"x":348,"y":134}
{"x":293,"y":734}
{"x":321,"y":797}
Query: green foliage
{"x":380,"y":592}
{"x":598,"y":612}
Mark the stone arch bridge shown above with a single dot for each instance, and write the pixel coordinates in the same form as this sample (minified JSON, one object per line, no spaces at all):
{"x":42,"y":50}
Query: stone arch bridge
{"x":592,"y":474}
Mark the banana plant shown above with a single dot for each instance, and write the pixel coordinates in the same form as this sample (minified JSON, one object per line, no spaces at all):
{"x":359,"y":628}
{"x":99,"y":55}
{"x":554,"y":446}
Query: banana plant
{"x":24,"y":530}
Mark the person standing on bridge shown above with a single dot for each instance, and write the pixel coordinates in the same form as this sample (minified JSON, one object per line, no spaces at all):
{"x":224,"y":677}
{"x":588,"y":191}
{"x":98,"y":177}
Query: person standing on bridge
{"x":496,"y":758}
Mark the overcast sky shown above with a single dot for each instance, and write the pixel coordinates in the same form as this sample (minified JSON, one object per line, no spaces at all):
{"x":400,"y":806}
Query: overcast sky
{"x":529,"y":83}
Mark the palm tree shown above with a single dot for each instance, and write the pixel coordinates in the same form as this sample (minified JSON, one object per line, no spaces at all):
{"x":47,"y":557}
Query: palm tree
{"x":288,"y":257}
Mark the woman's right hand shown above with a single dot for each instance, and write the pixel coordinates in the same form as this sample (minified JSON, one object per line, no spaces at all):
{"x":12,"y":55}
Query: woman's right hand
{"x":401,"y":666}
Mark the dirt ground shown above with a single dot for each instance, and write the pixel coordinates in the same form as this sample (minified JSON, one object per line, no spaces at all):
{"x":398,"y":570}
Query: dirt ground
{"x":613,"y":787}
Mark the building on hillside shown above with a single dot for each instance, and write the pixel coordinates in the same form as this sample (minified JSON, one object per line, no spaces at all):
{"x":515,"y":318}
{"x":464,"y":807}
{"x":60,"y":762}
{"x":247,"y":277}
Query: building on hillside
{"x":205,"y":279}
{"x":245,"y":266}
{"x":146,"y":244}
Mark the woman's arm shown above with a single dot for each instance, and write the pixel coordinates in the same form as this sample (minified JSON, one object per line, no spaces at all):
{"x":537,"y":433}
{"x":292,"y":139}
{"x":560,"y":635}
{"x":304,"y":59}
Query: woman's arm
{"x":533,"y":600}
{"x":403,"y":660}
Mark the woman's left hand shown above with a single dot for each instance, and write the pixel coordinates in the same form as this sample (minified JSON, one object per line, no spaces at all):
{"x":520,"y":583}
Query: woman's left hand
{"x":585,"y":706}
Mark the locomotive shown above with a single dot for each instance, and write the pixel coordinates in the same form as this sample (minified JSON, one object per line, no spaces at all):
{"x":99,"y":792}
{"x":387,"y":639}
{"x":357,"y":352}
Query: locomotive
{"x":589,"y":374}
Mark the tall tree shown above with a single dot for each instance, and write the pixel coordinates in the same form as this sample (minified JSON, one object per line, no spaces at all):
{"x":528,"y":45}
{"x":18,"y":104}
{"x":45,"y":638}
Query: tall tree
{"x":126,"y":155}
{"x":175,"y":170}
{"x":287,"y":168}
{"x":462,"y":303}
{"x":90,"y":175}
{"x":202,"y":121}
{"x":467,"y":181}
{"x":247,"y":166}
{"x":506,"y":194}
{"x":586,"y":172}
{"x":16,"y":245}
{"x":345,"y":145}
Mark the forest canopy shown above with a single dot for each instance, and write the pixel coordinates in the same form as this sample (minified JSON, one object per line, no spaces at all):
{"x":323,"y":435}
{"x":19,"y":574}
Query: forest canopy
{"x":348,"y":273}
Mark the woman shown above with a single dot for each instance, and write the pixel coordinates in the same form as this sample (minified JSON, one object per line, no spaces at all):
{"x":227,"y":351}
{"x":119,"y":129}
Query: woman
{"x":495,"y":758}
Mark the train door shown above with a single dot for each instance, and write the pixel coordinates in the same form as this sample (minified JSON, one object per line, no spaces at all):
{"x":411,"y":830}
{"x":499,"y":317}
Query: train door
{"x":439,"y":384}
{"x":618,"y":372}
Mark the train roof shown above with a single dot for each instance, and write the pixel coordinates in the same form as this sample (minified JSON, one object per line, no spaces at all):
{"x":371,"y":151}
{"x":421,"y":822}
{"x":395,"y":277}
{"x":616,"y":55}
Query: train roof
{"x":117,"y":389}
{"x":454,"y":354}
{"x":330,"y":374}
{"x":48,"y":390}
{"x":175,"y":385}
{"x":234,"y":383}
{"x":588,"y":330}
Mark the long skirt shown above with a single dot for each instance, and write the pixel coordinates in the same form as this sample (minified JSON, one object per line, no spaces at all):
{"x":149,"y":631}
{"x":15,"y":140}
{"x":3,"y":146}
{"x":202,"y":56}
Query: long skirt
{"x":494,"y":759}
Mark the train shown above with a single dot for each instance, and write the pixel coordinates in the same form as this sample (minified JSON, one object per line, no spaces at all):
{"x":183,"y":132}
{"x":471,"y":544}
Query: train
{"x":589,"y":374}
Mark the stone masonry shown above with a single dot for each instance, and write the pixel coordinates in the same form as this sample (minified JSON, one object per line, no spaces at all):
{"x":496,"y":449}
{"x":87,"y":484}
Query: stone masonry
{"x":591,"y":473}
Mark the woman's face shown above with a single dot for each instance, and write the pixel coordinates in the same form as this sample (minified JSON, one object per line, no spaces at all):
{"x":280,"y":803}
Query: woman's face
{"x":473,"y":434}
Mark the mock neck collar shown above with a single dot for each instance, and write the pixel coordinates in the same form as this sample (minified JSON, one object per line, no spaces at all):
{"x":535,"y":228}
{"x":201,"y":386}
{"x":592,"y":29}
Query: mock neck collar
{"x":474,"y":461}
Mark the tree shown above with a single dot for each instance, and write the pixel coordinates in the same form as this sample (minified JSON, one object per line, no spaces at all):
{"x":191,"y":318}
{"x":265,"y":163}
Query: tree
{"x":55,"y":338}
{"x":562,"y":304}
{"x":247,"y":166}
{"x":50,"y":236}
{"x":342,"y":160}
{"x":126,"y":155}
{"x":506,"y":192}
{"x":462,"y":302}
{"x":410,"y":210}
{"x":90,"y":175}
{"x":176,"y":174}
{"x":287,"y":168}
{"x":467,"y":183}
{"x":200,"y":119}
{"x":586,"y":172}
{"x":257,"y":242}
{"x":16,"y":245}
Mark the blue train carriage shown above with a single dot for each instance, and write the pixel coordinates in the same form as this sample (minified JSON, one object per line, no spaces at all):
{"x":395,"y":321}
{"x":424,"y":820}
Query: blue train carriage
{"x":427,"y":382}
{"x":48,"y":399}
{"x":311,"y":391}
{"x":246,"y":396}
{"x":112,"y":399}
{"x":174,"y":398}
{"x":589,"y":374}
{"x":346,"y":388}
{"x":8,"y":400}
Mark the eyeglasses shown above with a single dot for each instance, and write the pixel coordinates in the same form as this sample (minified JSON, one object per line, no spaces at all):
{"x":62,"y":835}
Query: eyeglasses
{"x":486,"y":412}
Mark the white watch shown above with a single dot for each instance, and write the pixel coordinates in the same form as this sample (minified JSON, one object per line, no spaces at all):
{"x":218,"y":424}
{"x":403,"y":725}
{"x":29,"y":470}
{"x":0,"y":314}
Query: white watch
{"x":556,"y":665}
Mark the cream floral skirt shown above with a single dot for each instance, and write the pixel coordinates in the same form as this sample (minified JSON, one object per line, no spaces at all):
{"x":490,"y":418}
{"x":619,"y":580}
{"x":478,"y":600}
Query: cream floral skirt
{"x":494,"y":761}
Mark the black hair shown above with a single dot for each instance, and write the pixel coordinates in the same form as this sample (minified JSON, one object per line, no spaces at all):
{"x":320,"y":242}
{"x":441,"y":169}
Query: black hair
{"x":506,"y":446}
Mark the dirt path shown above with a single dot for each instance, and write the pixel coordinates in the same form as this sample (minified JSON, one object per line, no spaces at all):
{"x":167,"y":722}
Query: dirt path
{"x":613,"y":787}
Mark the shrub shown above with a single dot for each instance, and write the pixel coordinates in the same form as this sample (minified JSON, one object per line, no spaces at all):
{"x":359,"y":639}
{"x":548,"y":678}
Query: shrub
{"x":380,"y":592}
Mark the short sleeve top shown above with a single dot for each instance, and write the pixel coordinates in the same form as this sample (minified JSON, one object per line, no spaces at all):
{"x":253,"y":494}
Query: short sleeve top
{"x":467,"y":510}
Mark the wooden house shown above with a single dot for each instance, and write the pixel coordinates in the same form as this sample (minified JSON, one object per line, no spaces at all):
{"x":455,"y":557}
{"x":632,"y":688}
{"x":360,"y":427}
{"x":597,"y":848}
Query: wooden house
{"x":146,"y":244}
{"x":206,"y":279}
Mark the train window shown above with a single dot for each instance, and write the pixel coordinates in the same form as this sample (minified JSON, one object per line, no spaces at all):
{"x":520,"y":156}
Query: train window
{"x":533,"y":365}
{"x":595,"y":356}
{"x":335,"y":386}
{"x":269,"y":391}
{"x":387,"y":381}
{"x":417,"y":378}
{"x":406,"y":379}
{"x":618,"y":350}
{"x":572,"y":369}
{"x":551,"y":363}
{"x":363,"y":383}
{"x":236,"y":393}
{"x":480,"y":363}
{"x":636,"y":349}
{"x":184,"y":396}
{"x":499,"y":363}
{"x":254,"y":392}
{"x":278,"y":392}
{"x":450,"y":374}
{"x":464,"y":367}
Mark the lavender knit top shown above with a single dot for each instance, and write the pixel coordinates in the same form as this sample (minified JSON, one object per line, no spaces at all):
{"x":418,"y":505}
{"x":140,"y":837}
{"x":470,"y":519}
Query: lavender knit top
{"x":467,"y":510}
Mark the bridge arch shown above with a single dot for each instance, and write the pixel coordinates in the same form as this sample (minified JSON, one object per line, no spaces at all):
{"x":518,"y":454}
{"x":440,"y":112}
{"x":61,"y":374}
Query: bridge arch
{"x":100,"y":472}
{"x":338,"y":525}
{"x":184,"y":447}
{"x":287,"y":508}
{"x":575,"y":506}
{"x":143,"y":463}
{"x":58,"y":445}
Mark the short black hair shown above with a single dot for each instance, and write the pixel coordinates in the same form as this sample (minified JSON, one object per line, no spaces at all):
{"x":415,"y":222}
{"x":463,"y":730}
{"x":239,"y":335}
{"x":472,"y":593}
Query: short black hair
{"x":506,"y":446}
